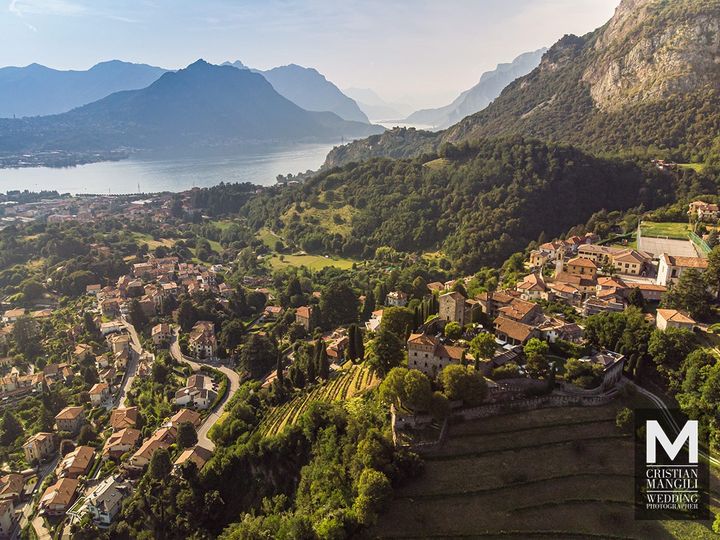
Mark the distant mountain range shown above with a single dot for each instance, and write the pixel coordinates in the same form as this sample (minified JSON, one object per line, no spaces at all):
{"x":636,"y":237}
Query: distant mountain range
{"x":644,"y":84}
{"x":201,"y":105}
{"x":479,"y":96}
{"x":375,"y":107}
{"x":37,"y":90}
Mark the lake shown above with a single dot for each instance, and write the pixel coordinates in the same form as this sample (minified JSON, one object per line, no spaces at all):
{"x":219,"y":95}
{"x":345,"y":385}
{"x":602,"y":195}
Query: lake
{"x":260,"y":166}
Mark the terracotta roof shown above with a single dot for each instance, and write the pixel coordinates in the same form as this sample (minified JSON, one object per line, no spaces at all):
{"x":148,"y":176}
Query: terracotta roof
{"x":532,"y":282}
{"x":582,"y":261}
{"x":303,"y":311}
{"x":78,"y":460}
{"x":513,"y":329}
{"x":673,"y":315}
{"x":185,"y":415}
{"x":61,"y":493}
{"x":685,"y":262}
{"x":197,"y":454}
{"x":422,"y":339}
{"x":124,"y":418}
{"x":518,"y":309}
{"x":611,"y":283}
{"x":124,"y":437}
{"x":98,"y":389}
{"x":69,"y":413}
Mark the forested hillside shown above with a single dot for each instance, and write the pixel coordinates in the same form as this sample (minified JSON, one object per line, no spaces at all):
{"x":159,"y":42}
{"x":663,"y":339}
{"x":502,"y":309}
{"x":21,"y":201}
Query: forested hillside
{"x":478,"y":204}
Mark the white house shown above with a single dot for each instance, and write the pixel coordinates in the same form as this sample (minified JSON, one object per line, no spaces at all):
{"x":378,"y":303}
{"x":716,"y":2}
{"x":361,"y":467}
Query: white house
{"x":670,"y":268}
{"x":200,"y":390}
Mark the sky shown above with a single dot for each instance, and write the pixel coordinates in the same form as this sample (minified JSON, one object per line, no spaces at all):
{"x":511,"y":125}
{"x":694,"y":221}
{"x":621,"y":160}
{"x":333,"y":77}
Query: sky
{"x":421,"y":52}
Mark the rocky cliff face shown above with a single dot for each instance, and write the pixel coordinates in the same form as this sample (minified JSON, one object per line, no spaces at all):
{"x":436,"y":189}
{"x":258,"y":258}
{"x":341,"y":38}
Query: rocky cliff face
{"x":652,"y":49}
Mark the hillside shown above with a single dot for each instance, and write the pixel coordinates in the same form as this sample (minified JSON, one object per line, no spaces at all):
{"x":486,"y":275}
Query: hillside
{"x":201,"y":105}
{"x":644,"y":83}
{"x":313,"y":92}
{"x":37,"y":90}
{"x":479,"y":96}
{"x":478,"y":205}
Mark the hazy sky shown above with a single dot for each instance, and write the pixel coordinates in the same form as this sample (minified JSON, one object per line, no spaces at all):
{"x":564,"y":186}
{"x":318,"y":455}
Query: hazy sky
{"x":426,"y":51}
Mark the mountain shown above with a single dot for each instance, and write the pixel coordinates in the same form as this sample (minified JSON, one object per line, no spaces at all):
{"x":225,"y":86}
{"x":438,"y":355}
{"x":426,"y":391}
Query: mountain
{"x":645,"y":83}
{"x":201,"y":105}
{"x":236,"y":64}
{"x":479,"y":96}
{"x":312,"y":91}
{"x":37,"y":90}
{"x":376,"y":107}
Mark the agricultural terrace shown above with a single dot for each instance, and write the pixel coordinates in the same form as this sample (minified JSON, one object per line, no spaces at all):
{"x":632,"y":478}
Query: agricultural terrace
{"x":549,"y":473}
{"x":346,"y":383}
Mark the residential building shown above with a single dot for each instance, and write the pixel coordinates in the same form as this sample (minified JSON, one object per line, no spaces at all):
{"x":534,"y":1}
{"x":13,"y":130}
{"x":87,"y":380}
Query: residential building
{"x":202,"y":341}
{"x":703,"y":211}
{"x":121,"y":442}
{"x":105,"y":500}
{"x":397,"y":299}
{"x":70,"y":419}
{"x":162,"y":438}
{"x":580,"y":266}
{"x":200,"y":391}
{"x":122,"y":418}
{"x":453,"y":308}
{"x":512,"y":331}
{"x":107,"y":328}
{"x":161,"y":334}
{"x":185,"y":415}
{"x":650,"y":291}
{"x":554,"y":329}
{"x":304,"y":317}
{"x":58,"y":497}
{"x":77,"y":463}
{"x":670,"y":268}
{"x":521,"y":311}
{"x":7,"y":518}
{"x":532,"y":287}
{"x":99,"y":394}
{"x":672,"y":318}
{"x":120,"y":343}
{"x":39,"y":447}
{"x":491,"y":302}
{"x":427,"y":354}
{"x":11,"y":486}
{"x":593,"y":306}
{"x":197,"y":454}
{"x":12,"y":315}
{"x":82,"y":352}
{"x":612,"y":364}
{"x":374,"y":322}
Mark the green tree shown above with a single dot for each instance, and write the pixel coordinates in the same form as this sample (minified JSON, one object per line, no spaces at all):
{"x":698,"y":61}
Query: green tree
{"x":368,"y":305}
{"x":453,"y":330}
{"x":669,"y":348}
{"x":338,"y":304}
{"x":258,"y":355}
{"x":160,"y":465}
{"x":483,"y":346}
{"x":137,"y":316}
{"x":417,"y":390}
{"x":398,"y":320}
{"x":87,"y":435}
{"x":374,"y":492}
{"x":386,"y":352}
{"x":11,"y":428}
{"x":187,"y":315}
{"x":690,"y":294}
{"x":464,"y":384}
{"x":25,"y":334}
{"x":231,"y":334}
{"x":187,"y":436}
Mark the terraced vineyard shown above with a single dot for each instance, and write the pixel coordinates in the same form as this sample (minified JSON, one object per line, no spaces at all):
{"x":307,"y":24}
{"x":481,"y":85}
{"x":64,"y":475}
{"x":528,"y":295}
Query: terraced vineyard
{"x":345,"y":384}
{"x":550,"y":473}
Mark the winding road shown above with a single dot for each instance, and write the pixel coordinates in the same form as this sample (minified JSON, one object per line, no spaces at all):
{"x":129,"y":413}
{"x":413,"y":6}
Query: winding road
{"x":214,"y":416}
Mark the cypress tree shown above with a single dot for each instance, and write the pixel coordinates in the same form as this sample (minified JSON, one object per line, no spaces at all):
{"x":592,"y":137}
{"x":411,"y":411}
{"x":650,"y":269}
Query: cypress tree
{"x":359,"y":345}
{"x":279,"y":368}
{"x":323,"y":363}
{"x":351,"y":350}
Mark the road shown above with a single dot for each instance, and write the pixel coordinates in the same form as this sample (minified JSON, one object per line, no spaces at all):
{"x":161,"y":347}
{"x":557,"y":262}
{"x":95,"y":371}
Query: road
{"x":132,"y":365}
{"x":214,"y":416}
{"x":669,"y":417}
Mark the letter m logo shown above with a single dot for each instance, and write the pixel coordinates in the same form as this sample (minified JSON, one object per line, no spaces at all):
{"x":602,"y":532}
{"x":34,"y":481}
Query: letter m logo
{"x":654,"y":434}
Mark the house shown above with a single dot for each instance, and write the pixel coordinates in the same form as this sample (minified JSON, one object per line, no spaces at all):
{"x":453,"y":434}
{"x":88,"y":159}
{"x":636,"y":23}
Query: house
{"x":11,"y":486}
{"x":272,"y":312}
{"x":58,"y":497}
{"x":105,"y":500}
{"x":185,"y":415}
{"x":93,"y":290}
{"x":521,"y":311}
{"x":584,"y":284}
{"x":580,"y":266}
{"x":612,"y":364}
{"x":7,"y":518}
{"x":70,"y":419}
{"x":373,"y":323}
{"x":593,"y":306}
{"x":121,"y":442}
{"x":126,"y":417}
{"x":304,"y":317}
{"x":39,"y":447}
{"x":197,"y":454}
{"x":12,"y":315}
{"x":512,"y":331}
{"x":435,"y":287}
{"x":491,"y":302}
{"x":454,"y":307}
{"x":200,"y":391}
{"x":202,"y":341}
{"x":162,"y":438}
{"x":397,"y":299}
{"x":111,"y":327}
{"x":77,"y":463}
{"x":427,"y":354}
{"x":672,"y":318}
{"x":670,"y":268}
{"x":567,"y":292}
{"x":650,"y":291}
{"x":532,"y":287}
{"x":554,"y":329}
{"x":82,"y":352}
{"x":703,"y":211}
{"x":630,"y":262}
{"x":99,"y":394}
{"x":119,"y":343}
{"x":161,"y":334}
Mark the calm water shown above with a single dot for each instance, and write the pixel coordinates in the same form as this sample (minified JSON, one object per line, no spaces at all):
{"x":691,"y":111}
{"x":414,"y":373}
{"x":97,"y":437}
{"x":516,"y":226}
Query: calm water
{"x":163,"y":174}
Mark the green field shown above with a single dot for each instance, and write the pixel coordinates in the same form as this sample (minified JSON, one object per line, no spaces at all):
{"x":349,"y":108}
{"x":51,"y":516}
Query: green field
{"x":313,"y":262}
{"x":697,"y":167}
{"x":151,"y":242}
{"x":665,"y":229}
{"x":349,"y":382}
{"x":549,"y":473}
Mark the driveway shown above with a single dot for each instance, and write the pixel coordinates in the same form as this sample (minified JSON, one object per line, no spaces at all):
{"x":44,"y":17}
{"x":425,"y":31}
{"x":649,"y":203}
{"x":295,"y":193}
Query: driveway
{"x":233,"y":385}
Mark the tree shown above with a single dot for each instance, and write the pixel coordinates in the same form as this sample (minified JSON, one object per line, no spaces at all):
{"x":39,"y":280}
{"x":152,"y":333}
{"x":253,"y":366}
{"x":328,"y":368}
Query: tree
{"x":417,"y":390}
{"x":464,"y":384}
{"x":439,"y":406}
{"x":279,"y":368}
{"x":635,"y":298}
{"x":420,"y":288}
{"x":32,"y":290}
{"x":536,"y":363}
{"x":137,"y":316}
{"x":160,"y":465}
{"x":187,"y":315}
{"x":368,"y":305}
{"x":187,"y":436}
{"x":453,"y":330}
{"x":374,"y":492}
{"x":323,"y":362}
{"x":231,"y":334}
{"x":338,"y":304}
{"x":359,"y":345}
{"x":690,"y":294}
{"x":258,"y":355}
{"x":11,"y":428}
{"x":712,"y":272}
{"x":398,"y":320}
{"x":87,"y":435}
{"x":583,"y":374}
{"x":386,"y":352}
{"x":669,"y":348}
{"x":352,"y":349}
{"x":483,"y":345}
{"x":392,"y":388}
{"x":25,"y":334}
{"x":624,"y":419}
